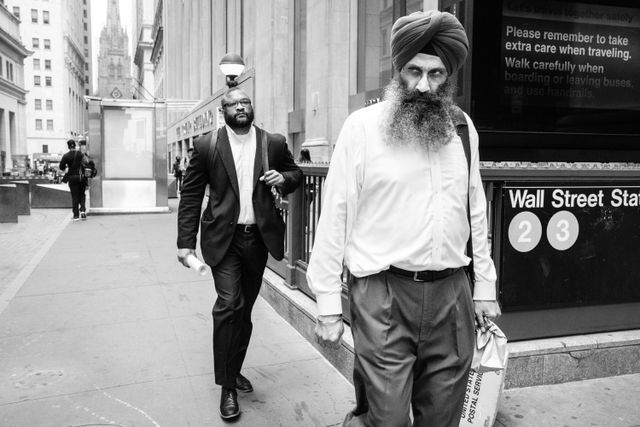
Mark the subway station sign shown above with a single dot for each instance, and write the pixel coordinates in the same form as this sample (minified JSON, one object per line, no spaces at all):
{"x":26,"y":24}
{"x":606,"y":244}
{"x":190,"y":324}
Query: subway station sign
{"x":568,"y":245}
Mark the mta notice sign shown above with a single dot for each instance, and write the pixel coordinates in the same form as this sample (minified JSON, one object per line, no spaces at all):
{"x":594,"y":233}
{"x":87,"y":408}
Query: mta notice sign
{"x":568,"y":245}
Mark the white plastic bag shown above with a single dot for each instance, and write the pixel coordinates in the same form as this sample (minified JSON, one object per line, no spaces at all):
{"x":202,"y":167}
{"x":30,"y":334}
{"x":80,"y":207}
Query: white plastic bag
{"x":490,"y":352}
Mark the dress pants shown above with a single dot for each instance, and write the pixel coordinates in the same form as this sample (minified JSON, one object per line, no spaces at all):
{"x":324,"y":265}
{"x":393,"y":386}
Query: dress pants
{"x":237,"y":280}
{"x":77,"y":187}
{"x":413,"y":346}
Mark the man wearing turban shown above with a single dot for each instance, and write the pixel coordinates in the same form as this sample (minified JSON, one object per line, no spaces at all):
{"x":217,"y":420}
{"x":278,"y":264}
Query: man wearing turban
{"x":395,"y":213}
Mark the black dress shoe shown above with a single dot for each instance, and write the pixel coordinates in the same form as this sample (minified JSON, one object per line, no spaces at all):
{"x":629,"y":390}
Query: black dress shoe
{"x":229,"y":403}
{"x":243,"y":384}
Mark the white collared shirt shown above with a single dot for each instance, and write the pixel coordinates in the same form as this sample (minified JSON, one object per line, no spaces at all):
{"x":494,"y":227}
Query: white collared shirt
{"x":243,"y":148}
{"x":394,"y":205}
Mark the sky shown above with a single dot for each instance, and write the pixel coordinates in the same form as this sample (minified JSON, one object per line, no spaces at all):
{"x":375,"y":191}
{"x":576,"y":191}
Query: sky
{"x":98,"y":21}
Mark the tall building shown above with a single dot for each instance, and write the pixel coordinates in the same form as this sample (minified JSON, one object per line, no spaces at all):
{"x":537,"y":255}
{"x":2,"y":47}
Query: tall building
{"x":143,"y":81}
{"x":58,"y":74}
{"x":114,"y":61}
{"x":13,"y":140}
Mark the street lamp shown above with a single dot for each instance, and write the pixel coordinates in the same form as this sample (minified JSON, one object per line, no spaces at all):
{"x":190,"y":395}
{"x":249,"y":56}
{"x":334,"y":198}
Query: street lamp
{"x":231,"y":66}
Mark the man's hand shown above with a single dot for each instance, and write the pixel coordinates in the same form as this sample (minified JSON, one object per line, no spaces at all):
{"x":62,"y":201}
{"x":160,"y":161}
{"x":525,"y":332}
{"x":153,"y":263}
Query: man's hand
{"x":272,"y":177}
{"x":329,"y":329}
{"x":183,"y":254}
{"x":486,"y":310}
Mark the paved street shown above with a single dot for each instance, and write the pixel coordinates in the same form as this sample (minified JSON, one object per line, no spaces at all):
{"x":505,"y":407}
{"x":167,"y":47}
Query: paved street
{"x":99,"y":325}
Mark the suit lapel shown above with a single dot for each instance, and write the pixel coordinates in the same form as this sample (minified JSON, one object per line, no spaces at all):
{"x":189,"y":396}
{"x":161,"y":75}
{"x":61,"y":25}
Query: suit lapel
{"x":224,"y":148}
{"x":257,"y":162}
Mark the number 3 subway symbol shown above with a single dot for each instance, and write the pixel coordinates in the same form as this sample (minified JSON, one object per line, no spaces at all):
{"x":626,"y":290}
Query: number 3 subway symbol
{"x":525,"y":231}
{"x":562,"y":230}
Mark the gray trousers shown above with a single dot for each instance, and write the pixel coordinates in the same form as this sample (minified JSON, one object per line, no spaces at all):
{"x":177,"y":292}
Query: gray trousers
{"x":413,"y":346}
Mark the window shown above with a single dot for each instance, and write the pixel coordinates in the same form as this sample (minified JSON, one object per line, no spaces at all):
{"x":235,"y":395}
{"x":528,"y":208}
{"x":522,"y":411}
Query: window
{"x":86,"y":66}
{"x":36,"y":80}
{"x":10,"y":71}
{"x":47,"y":43}
{"x":49,"y":124}
{"x":36,"y":64}
{"x":86,"y":79}
{"x":86,"y":40}
{"x":49,"y":104}
{"x":38,"y":124}
{"x":16,"y":12}
{"x":45,"y":16}
{"x":38,"y":104}
{"x":86,"y":53}
{"x":0,"y":65}
{"x":86,"y":27}
{"x":576,"y":105}
{"x":35,"y":42}
{"x":47,"y":81}
{"x":84,"y":13}
{"x":374,"y":68}
{"x":34,"y":15}
{"x":47,"y":64}
{"x":45,"y":148}
{"x":86,"y":92}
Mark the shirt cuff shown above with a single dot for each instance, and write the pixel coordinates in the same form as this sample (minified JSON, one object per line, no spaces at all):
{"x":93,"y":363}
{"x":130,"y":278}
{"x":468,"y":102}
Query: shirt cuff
{"x":329,"y":304}
{"x":484,"y":291}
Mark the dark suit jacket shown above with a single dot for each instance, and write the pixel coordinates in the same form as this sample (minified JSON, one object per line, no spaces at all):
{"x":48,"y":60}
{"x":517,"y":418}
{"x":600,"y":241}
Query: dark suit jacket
{"x":219,"y":219}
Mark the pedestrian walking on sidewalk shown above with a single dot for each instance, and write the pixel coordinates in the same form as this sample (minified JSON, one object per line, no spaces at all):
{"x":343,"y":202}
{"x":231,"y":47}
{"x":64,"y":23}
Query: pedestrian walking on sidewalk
{"x":395,"y":211}
{"x":177,"y":173}
{"x":242,"y":165}
{"x":72,"y":163}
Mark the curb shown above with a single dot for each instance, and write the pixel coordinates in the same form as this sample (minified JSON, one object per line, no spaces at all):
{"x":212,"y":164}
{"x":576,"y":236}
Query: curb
{"x":531,"y":363}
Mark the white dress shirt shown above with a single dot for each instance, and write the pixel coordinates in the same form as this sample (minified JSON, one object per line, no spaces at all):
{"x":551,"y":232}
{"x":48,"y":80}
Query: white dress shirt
{"x":243,"y":148}
{"x":396,"y":205}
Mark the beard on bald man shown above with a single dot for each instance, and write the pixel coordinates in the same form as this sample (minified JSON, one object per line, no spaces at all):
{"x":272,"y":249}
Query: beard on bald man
{"x":421,"y":119}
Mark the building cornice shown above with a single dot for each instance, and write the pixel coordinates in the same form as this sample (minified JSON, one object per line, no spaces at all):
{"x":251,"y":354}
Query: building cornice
{"x":73,"y":44}
{"x":12,"y":89}
{"x":138,"y":58}
{"x":157,"y":46}
{"x":15,"y":44}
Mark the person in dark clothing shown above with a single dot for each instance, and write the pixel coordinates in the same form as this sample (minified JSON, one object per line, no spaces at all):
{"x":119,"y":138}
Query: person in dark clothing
{"x":241,"y":163}
{"x":72,"y":162}
{"x":305,"y":156}
{"x":177,"y":173}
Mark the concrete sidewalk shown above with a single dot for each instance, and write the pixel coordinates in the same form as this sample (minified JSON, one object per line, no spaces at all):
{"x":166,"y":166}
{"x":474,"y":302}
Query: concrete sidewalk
{"x":108,"y":329}
{"x":128,"y":342}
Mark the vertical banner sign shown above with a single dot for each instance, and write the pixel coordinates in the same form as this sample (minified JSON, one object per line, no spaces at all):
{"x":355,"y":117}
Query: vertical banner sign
{"x":578,"y":55}
{"x":569,"y":245}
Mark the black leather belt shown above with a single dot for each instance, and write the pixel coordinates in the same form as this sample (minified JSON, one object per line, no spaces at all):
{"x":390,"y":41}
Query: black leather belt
{"x":425,"y":275}
{"x":247,"y":228}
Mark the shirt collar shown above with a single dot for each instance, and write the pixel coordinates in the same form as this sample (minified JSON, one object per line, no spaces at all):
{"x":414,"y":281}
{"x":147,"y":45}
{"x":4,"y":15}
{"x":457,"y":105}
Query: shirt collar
{"x":235,"y":136}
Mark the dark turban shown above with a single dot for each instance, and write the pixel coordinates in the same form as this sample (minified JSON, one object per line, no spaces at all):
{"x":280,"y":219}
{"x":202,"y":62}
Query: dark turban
{"x":434,"y":32}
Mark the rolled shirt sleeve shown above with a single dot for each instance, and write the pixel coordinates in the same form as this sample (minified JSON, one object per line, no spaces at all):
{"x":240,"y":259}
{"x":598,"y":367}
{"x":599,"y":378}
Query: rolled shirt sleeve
{"x":339,"y":201}
{"x":484,"y":269}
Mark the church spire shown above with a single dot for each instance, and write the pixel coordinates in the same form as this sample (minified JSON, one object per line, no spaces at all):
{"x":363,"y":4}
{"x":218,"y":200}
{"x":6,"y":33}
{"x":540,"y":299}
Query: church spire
{"x":114,"y":62}
{"x":113,"y":14}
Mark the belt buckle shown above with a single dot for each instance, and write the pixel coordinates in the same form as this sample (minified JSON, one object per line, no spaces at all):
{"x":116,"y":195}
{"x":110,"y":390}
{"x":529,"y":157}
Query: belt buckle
{"x":246,"y":228}
{"x":415,"y":277}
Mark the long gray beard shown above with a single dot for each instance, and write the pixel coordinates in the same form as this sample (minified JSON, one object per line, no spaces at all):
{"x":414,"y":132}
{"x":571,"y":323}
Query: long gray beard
{"x":418,"y":119}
